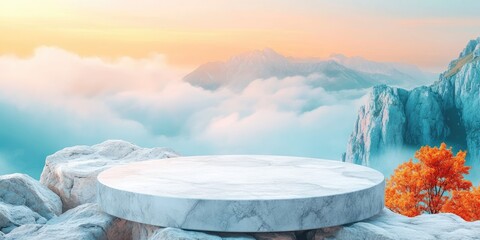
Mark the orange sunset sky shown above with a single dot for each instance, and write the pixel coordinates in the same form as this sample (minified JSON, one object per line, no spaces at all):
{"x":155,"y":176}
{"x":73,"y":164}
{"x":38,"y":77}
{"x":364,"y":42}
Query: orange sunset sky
{"x":426,"y":33}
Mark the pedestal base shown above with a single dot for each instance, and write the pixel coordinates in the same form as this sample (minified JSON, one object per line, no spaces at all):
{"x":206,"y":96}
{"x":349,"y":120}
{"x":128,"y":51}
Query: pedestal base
{"x":241,"y":193}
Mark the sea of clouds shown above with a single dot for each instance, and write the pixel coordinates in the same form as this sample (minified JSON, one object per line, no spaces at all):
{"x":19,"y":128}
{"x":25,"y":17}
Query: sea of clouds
{"x":54,"y":99}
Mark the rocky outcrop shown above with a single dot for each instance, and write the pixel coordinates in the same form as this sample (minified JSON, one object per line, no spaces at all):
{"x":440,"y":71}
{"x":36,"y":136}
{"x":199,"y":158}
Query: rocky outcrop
{"x":71,"y":173}
{"x":446,"y":111}
{"x":24,"y":200}
{"x":381,"y":122}
{"x":83,"y":222}
{"x":459,"y":88}
{"x":29,"y":210}
{"x":386,"y":226}
{"x":391,"y":226}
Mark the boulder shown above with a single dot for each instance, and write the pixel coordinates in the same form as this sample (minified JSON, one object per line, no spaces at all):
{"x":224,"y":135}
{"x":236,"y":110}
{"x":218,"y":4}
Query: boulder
{"x":71,"y":172}
{"x":12,"y":216}
{"x":23,"y":200}
{"x":84,"y":222}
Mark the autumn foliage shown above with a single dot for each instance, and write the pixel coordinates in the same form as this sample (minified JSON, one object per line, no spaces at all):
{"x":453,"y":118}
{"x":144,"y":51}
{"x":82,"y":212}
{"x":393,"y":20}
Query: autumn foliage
{"x":433,"y":184}
{"x":465,"y":204}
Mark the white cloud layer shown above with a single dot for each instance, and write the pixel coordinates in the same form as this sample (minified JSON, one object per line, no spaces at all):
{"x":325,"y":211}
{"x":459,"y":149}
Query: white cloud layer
{"x":56,"y":99}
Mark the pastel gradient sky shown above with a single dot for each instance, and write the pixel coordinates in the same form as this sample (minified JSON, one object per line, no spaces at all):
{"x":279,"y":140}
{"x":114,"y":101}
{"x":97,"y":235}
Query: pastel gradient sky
{"x":427,"y":33}
{"x":80,"y":72}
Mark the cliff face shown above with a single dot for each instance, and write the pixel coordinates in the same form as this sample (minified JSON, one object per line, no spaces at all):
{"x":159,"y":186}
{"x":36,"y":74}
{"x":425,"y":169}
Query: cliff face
{"x":380,"y":123}
{"x":447,"y":111}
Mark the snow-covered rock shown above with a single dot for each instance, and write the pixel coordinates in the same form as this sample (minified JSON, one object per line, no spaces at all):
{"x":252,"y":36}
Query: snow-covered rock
{"x":23,"y":200}
{"x":71,"y":173}
{"x":336,"y":73}
{"x":85,"y":222}
{"x":391,"y":226}
{"x":446,"y":111}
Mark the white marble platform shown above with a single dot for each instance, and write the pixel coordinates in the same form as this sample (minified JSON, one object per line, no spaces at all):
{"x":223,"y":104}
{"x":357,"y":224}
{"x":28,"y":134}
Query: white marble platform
{"x":241,"y":193}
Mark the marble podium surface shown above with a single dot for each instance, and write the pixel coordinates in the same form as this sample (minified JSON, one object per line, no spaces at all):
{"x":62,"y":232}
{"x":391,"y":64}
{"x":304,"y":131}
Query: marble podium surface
{"x":241,"y":193}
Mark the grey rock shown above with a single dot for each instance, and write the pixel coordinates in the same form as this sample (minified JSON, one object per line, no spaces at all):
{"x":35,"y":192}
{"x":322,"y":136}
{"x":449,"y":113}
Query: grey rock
{"x":84,"y":222}
{"x":71,"y":173}
{"x":23,"y":200}
{"x":21,"y":189}
{"x":12,"y":216}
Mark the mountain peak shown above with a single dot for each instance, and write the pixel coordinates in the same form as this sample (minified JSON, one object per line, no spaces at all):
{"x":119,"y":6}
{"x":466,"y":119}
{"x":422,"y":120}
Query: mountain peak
{"x":469,"y":54}
{"x":266,"y":54}
{"x":268,"y":50}
{"x":342,"y":57}
{"x":472,"y":47}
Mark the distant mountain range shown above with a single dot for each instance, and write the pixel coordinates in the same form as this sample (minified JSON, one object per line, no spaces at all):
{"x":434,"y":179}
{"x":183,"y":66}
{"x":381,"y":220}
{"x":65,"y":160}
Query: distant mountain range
{"x":446,"y":111}
{"x":335,"y":73}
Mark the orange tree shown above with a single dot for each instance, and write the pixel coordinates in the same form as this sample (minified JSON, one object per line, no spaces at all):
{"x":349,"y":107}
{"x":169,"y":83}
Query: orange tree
{"x":465,"y":204}
{"x":423,"y":186}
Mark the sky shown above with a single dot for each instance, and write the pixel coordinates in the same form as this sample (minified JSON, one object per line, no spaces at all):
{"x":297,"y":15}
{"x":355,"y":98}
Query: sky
{"x":425,"y":33}
{"x":82,"y":72}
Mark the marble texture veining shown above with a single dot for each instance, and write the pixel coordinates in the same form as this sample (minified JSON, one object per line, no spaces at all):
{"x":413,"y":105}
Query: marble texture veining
{"x":241,"y":193}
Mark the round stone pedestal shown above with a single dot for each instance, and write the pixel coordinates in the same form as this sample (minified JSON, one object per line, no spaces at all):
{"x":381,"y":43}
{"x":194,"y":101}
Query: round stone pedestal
{"x":241,"y":193}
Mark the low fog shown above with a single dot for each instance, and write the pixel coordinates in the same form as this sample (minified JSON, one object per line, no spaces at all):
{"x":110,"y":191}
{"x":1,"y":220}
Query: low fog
{"x":56,"y":99}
